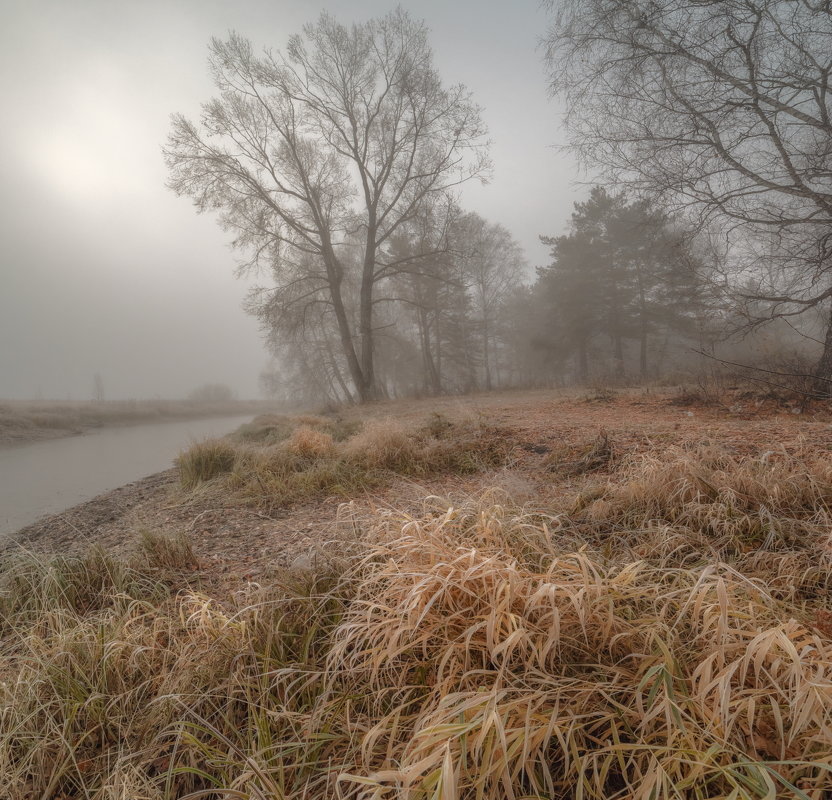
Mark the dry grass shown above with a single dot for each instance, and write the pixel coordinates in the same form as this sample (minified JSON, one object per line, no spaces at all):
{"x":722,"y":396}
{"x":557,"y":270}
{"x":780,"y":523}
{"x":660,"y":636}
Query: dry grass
{"x":662,"y":630}
{"x":173,"y":553}
{"x":309,"y":443}
{"x":205,"y":460}
{"x":596,"y":455}
{"x":265,"y":429}
{"x":383,"y":444}
{"x":312,"y":461}
{"x":472,"y":651}
{"x":775,"y":502}
{"x":270,"y":429}
{"x":565,"y":673}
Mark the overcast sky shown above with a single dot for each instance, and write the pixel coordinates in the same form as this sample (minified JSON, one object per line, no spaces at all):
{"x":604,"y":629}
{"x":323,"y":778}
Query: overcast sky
{"x":103,"y":270}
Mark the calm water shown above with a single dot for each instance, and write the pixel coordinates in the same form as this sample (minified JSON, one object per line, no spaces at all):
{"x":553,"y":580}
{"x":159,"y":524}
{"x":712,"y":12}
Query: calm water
{"x":45,"y":477}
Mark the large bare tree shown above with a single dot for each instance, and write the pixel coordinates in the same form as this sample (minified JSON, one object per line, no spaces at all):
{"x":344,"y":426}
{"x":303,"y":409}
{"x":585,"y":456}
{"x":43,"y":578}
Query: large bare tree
{"x":721,"y":107}
{"x":341,"y":139}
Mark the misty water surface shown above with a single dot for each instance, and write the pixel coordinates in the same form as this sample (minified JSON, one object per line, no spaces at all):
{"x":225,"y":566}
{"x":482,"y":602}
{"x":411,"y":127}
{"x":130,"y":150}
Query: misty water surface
{"x":46,"y":477}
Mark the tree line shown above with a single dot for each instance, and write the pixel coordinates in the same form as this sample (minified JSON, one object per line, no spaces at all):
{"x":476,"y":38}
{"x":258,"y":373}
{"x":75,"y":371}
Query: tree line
{"x":336,"y":165}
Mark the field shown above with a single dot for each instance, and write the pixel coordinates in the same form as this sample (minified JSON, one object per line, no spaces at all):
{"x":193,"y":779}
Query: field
{"x":537,"y":594}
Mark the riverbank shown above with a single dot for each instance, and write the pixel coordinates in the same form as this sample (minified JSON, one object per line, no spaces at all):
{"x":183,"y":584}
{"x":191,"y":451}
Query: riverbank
{"x":44,"y":477}
{"x":103,"y":521}
{"x":510,"y":594}
{"x":254,"y":527}
{"x":28,"y":421}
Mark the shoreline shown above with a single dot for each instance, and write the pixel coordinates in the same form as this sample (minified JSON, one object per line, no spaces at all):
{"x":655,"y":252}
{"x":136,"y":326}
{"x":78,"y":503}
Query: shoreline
{"x":28,"y":427}
{"x":93,"y":521}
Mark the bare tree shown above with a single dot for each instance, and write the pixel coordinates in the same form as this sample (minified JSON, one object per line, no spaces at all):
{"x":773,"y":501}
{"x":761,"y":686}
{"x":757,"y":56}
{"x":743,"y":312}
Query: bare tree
{"x":345,"y":137}
{"x":98,"y":388}
{"x":492,"y":264}
{"x":721,"y":107}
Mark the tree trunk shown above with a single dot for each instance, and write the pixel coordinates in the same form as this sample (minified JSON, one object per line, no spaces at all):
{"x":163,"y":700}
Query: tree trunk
{"x":642,"y":312}
{"x":642,"y":355}
{"x":430,"y":375}
{"x":368,"y":390}
{"x":486,"y":355}
{"x":619,"y":356}
{"x":823,"y":369}
{"x":337,"y":372}
{"x":334,"y":276}
{"x":346,"y":341}
{"x":438,"y":360}
{"x":615,"y":335}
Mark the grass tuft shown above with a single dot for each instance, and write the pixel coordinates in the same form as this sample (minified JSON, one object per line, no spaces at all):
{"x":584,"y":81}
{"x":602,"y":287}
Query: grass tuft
{"x":308,"y":443}
{"x":205,"y":460}
{"x":167,"y":552}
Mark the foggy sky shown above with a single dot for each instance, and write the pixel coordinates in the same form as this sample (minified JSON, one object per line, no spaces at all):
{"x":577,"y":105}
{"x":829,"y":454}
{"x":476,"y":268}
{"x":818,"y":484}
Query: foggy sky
{"x":103,"y":270}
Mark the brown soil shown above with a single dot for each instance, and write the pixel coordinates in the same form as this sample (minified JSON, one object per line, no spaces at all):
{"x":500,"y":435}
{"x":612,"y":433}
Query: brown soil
{"x":555,"y":448}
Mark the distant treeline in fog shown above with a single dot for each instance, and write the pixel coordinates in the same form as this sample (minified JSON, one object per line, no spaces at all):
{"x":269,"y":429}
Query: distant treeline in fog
{"x":336,"y":164}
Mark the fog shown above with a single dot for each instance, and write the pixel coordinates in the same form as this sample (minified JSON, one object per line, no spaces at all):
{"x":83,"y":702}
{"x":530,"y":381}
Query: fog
{"x":104,"y":271}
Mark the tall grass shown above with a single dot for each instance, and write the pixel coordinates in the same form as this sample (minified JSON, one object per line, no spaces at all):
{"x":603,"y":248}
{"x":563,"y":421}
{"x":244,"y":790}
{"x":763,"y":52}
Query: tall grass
{"x":470,"y":651}
{"x":205,"y":460}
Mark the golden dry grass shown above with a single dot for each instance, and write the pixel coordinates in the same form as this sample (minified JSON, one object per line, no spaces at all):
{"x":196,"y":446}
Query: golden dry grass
{"x":307,"y":442}
{"x":311,"y":459}
{"x":664,"y":630}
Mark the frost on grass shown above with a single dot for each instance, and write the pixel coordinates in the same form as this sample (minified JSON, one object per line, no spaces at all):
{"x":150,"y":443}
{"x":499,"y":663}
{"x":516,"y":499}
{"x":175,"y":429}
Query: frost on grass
{"x":475,"y":649}
{"x":316,"y":457}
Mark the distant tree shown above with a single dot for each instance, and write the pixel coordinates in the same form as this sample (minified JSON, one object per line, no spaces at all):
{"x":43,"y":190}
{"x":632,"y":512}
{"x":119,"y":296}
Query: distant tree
{"x":98,"y":388}
{"x":338,"y":142}
{"x":721,"y":108}
{"x":623,"y":272}
{"x":536,"y":350}
{"x":453,"y":299}
{"x":272,"y":382}
{"x":492,"y":263}
{"x":211,"y":393}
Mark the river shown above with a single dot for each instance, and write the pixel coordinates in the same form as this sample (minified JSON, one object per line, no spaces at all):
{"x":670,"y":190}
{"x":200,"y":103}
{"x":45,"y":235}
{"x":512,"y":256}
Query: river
{"x":45,"y":477}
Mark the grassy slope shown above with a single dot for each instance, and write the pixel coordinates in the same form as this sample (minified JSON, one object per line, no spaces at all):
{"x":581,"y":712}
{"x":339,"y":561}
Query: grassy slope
{"x":654,"y":621}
